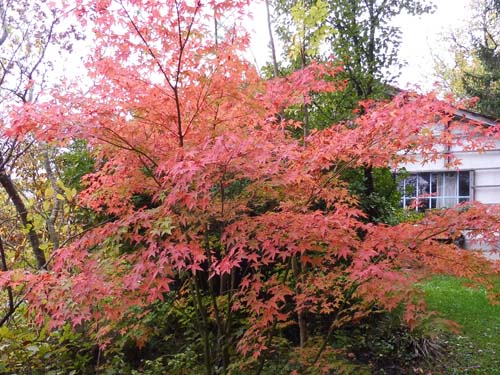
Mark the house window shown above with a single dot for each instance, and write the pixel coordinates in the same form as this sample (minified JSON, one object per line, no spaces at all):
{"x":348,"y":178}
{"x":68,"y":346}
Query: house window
{"x":435,"y":190}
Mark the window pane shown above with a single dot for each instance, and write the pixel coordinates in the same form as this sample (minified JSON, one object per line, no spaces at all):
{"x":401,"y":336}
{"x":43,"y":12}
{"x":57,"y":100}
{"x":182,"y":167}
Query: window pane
{"x":409,"y":202}
{"x":464,"y":184}
{"x":411,"y":186}
{"x":450,"y":189}
{"x":438,"y":180}
{"x":424,"y":184}
{"x":434,"y":183}
{"x":422,"y":204}
{"x":450,"y":184}
{"x":433,"y":202}
{"x":401,"y":186}
{"x":435,"y":190}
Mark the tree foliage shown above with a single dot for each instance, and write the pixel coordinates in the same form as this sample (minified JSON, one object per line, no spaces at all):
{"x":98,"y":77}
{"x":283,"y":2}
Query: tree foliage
{"x":365,"y":44}
{"x":217,"y":218}
{"x":38,"y":209}
{"x":476,"y":50}
{"x":360,"y":36}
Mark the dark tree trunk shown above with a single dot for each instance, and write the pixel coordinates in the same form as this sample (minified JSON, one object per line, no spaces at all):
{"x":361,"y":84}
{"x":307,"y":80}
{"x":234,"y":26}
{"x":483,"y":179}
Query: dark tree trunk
{"x":8,"y":185}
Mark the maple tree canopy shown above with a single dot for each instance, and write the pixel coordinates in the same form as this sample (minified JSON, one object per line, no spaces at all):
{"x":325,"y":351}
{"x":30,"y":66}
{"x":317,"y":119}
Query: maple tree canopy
{"x":183,"y":120}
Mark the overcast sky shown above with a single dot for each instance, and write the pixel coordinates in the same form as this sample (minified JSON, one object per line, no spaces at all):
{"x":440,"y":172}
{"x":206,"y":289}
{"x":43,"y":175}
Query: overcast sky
{"x":421,"y":35}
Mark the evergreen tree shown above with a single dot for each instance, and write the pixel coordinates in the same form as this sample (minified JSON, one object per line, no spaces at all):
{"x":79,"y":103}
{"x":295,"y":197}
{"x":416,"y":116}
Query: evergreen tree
{"x":476,"y":51}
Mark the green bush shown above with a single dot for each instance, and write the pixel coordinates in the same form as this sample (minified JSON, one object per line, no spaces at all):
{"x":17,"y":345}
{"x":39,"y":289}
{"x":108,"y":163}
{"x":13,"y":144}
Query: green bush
{"x":26,"y":349}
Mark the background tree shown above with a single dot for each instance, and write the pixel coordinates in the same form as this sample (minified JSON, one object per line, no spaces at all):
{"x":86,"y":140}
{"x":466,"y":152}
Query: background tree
{"x":38,"y":212}
{"x":23,"y":44}
{"x":476,"y":51}
{"x":31,"y":38}
{"x":35,"y":199}
{"x":360,"y":36}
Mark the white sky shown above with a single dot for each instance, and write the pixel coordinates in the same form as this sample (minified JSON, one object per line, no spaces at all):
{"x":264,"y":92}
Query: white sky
{"x":421,"y":35}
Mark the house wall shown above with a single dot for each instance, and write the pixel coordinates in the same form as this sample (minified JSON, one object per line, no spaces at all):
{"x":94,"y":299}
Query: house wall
{"x":486,"y":187}
{"x":485,"y":175}
{"x":485,"y":184}
{"x":485,"y":169}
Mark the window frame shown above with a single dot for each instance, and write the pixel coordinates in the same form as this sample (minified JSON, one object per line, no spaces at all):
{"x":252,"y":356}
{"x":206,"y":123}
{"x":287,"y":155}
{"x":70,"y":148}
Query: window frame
{"x":430,"y":200}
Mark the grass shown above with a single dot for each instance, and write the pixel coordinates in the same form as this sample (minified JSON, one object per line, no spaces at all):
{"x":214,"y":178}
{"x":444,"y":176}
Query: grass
{"x":476,"y":348}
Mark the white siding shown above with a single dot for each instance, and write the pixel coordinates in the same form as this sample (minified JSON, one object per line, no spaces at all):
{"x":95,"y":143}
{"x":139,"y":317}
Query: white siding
{"x":486,"y":185}
{"x":485,"y":176}
{"x":485,"y":167}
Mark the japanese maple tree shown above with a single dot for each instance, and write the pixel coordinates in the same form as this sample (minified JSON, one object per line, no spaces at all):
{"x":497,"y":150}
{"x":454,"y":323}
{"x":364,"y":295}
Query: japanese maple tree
{"x":211,"y":203}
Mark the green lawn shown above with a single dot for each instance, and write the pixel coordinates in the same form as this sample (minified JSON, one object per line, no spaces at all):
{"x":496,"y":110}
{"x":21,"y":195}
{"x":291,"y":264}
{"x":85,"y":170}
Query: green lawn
{"x":476,"y":349}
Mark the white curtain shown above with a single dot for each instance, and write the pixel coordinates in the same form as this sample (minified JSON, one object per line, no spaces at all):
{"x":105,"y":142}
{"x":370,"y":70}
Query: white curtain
{"x":447,"y":189}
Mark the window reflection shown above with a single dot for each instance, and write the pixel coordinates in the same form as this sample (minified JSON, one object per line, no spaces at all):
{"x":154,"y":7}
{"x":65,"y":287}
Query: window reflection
{"x":435,"y":190}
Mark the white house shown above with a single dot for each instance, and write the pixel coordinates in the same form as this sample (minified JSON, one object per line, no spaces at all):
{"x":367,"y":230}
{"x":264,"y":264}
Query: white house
{"x":436,"y":186}
{"x":477,"y":178}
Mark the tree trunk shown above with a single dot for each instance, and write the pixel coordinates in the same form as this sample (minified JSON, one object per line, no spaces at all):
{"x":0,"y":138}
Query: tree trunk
{"x":271,"y":41}
{"x":10,"y":296}
{"x":51,"y":220}
{"x":301,"y":318}
{"x":8,"y":185}
{"x":371,"y":211}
